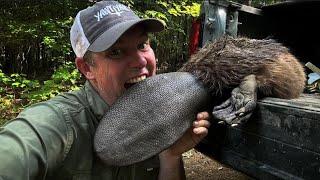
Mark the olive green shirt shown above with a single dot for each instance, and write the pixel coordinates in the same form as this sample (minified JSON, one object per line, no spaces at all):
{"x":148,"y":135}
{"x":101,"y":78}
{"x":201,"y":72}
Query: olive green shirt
{"x":54,"y":140}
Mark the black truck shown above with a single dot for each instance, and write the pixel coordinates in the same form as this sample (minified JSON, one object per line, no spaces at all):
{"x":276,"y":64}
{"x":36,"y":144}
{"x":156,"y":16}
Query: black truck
{"x":282,"y":139}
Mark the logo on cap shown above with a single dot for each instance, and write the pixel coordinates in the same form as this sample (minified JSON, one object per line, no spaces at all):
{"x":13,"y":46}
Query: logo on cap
{"x":111,"y":9}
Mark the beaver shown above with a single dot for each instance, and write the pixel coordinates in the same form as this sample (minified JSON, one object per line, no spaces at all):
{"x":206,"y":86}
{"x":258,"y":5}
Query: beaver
{"x":261,"y":68}
{"x":163,"y":107}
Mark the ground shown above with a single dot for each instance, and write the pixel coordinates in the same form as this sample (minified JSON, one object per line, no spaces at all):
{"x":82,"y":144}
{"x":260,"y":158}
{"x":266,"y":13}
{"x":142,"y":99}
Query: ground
{"x":200,"y":167}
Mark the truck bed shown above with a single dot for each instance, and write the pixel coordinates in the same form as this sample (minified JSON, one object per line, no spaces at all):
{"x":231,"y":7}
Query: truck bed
{"x":281,"y":140}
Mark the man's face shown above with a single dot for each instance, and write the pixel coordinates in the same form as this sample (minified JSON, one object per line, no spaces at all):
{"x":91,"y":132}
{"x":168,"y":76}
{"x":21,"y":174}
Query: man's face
{"x":128,"y":61}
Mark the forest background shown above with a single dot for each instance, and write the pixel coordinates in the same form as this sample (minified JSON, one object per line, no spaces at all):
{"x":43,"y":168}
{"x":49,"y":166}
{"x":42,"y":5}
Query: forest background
{"x":36,"y":58}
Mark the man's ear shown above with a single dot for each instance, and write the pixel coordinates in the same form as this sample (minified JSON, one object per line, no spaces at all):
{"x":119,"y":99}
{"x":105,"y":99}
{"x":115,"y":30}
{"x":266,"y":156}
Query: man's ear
{"x":84,"y":68}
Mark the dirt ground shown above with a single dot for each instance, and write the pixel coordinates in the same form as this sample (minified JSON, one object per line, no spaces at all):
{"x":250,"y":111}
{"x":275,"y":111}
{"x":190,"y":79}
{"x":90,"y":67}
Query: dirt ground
{"x":201,"y":167}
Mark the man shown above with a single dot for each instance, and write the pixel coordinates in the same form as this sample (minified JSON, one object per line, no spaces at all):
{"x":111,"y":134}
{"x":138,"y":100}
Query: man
{"x":53,"y":139}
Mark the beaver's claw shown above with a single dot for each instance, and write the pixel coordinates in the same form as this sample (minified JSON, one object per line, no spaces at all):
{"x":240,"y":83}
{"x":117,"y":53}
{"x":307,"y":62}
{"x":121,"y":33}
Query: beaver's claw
{"x":239,"y":107}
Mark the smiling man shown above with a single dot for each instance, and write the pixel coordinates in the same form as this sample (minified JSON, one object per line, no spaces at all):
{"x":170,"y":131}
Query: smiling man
{"x":128,"y":61}
{"x":54,"y":139}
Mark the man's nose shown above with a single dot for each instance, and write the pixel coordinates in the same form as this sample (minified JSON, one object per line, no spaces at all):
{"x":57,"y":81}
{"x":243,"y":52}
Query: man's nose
{"x":138,"y":60}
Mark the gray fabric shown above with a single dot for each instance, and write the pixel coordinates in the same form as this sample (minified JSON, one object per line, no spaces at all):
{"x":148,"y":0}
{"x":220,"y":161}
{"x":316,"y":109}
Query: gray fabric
{"x":102,"y":16}
{"x":149,"y":117}
{"x":108,"y":38}
{"x":105,"y":21}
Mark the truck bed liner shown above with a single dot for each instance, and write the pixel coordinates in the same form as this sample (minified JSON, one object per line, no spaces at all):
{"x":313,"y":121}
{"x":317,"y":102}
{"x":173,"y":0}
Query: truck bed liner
{"x":281,"y":140}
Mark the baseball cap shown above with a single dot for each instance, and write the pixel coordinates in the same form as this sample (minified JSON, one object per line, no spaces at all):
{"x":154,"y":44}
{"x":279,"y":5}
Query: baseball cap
{"x":98,"y":27}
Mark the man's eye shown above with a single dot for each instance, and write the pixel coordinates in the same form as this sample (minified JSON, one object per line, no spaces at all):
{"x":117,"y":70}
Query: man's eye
{"x":114,"y":53}
{"x":143,"y":46}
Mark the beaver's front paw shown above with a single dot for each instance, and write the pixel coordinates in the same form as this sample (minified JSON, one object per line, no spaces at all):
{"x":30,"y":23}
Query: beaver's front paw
{"x":239,"y":107}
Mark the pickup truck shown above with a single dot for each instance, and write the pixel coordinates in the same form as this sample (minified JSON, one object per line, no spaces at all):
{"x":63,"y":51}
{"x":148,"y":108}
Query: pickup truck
{"x":282,"y":138}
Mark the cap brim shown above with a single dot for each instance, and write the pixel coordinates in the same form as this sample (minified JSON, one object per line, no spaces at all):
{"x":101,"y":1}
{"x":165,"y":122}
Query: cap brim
{"x":149,"y":117}
{"x":109,"y":37}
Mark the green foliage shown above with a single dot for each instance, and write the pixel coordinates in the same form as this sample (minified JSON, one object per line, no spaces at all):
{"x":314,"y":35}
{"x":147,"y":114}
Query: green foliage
{"x":17,"y":92}
{"x":179,"y":9}
{"x":36,"y":30}
{"x":165,"y":10}
{"x":16,"y":85}
{"x":65,"y":78}
{"x":13,"y":88}
{"x":56,"y":38}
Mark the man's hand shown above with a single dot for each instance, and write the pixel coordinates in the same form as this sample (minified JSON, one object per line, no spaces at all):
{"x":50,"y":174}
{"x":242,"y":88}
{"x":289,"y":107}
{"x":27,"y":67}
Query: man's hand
{"x":171,"y":165}
{"x":239,"y":107}
{"x":192,"y":137}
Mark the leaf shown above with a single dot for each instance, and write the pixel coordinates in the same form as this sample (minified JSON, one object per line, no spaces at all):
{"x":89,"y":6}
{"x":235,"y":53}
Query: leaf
{"x":15,"y":84}
{"x":48,"y":41}
{"x":173,"y":12}
{"x":156,"y":14}
{"x":193,"y":10}
{"x":6,"y":80}
{"x":164,"y":4}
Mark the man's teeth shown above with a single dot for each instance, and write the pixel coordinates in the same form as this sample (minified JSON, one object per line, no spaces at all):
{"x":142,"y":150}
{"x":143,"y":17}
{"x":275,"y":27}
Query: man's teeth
{"x":137,"y":79}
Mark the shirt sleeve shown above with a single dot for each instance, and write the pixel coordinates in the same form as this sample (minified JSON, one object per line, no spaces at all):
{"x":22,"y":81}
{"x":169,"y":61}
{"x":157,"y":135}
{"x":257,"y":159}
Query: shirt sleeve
{"x":34,"y":143}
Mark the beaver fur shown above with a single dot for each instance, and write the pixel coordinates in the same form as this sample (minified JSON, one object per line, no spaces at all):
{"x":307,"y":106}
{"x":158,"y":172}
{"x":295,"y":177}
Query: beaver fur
{"x":223,"y":64}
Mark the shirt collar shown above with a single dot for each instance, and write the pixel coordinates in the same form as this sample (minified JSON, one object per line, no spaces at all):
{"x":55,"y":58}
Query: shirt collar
{"x":97,"y":105}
